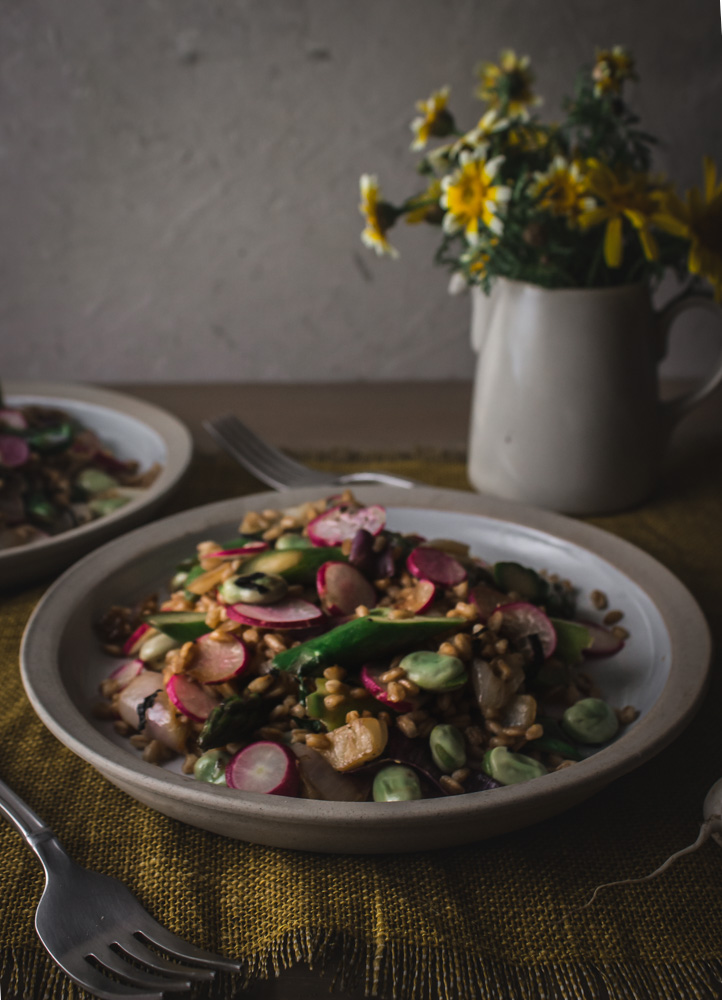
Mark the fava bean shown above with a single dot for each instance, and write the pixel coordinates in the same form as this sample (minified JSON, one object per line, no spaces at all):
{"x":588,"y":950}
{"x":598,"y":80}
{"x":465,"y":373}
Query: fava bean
{"x":511,"y":768}
{"x":293,"y":541}
{"x":156,"y":647}
{"x":254,"y":588}
{"x":591,"y":720}
{"x":434,"y":671}
{"x":447,"y":748}
{"x":211,"y":767}
{"x":396,"y":783}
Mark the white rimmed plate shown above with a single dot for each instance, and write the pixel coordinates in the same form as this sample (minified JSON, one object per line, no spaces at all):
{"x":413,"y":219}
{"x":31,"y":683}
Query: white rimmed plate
{"x":662,"y":671}
{"x":132,"y":429}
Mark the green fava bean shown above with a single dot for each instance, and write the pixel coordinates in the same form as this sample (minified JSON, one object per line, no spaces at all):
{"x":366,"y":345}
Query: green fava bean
{"x":211,"y":767}
{"x":396,"y":783}
{"x":511,"y":768}
{"x":591,"y":720}
{"x":254,"y":588}
{"x":156,"y":647}
{"x":293,"y":541}
{"x":434,"y":671}
{"x":447,"y":748}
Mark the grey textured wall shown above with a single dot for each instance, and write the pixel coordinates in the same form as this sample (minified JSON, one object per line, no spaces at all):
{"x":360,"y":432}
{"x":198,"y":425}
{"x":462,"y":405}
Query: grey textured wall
{"x":179,"y":178}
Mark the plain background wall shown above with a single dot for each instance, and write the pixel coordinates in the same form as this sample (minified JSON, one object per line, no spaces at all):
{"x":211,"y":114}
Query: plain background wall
{"x":179,"y":178}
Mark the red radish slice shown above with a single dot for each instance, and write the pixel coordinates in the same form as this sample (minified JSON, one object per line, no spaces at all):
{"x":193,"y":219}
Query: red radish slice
{"x":189,"y":697}
{"x":486,"y":599}
{"x":420,"y":599}
{"x":266,"y":767}
{"x":370,"y":678}
{"x":125,"y":673}
{"x":133,"y":644}
{"x":13,"y":451}
{"x":342,"y":588}
{"x":336,"y":525}
{"x":13,"y":418}
{"x":604,"y":641}
{"x":435,"y":565}
{"x":244,"y":550}
{"x":522,"y":619}
{"x":216,"y":662}
{"x":293,"y":612}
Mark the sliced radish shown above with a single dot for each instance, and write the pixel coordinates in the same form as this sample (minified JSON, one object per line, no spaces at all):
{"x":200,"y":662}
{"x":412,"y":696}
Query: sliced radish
{"x":125,"y":673}
{"x":340,"y":523}
{"x":604,"y":641}
{"x":419,"y":599}
{"x":342,"y":588}
{"x":14,"y":451}
{"x":14,"y":419}
{"x":371,"y":680}
{"x":189,"y":697}
{"x":133,"y":644}
{"x":216,"y":662}
{"x":250,"y":548}
{"x":435,"y":565}
{"x":266,"y":767}
{"x":292,"y":612}
{"x":486,"y":599}
{"x":522,"y":619}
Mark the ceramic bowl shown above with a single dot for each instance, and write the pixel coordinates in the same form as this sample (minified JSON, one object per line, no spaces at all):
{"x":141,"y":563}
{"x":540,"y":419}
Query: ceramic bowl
{"x":132,"y":429}
{"x":661,"y":671}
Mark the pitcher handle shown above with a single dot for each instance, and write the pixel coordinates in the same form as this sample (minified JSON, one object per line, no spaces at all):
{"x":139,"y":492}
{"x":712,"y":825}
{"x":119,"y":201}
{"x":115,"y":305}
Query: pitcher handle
{"x":677,"y":408}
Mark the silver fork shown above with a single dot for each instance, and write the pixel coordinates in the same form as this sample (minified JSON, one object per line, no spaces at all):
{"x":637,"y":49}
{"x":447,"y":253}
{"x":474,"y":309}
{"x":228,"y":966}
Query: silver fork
{"x":271,"y":466}
{"x":83,"y":915}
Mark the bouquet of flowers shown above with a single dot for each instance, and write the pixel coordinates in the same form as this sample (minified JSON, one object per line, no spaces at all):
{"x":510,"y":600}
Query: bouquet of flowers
{"x":567,"y":205}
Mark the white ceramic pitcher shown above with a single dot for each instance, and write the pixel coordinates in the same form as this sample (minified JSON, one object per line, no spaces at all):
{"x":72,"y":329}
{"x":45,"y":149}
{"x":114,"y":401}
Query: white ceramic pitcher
{"x":566,"y":411}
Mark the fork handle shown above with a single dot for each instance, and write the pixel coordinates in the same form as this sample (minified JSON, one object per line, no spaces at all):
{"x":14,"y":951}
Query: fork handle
{"x":24,"y":819}
{"x":387,"y":478}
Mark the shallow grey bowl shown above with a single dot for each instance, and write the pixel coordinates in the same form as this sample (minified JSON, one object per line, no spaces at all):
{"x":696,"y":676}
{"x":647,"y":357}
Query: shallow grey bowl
{"x":133,"y":430}
{"x":662,"y":671}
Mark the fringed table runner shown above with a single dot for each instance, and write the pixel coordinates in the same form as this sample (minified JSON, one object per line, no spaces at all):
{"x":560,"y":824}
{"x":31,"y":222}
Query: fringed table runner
{"x":497,"y":920}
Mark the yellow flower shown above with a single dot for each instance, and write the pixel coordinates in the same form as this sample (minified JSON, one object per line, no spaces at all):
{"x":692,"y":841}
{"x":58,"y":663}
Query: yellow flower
{"x":476,"y":259}
{"x":434,"y":120}
{"x":612,"y":68}
{"x":509,"y":85}
{"x":561,"y":190}
{"x":699,"y":220}
{"x":628,"y":196}
{"x":488,"y":125}
{"x":471,"y":196}
{"x":425,"y":207}
{"x":379,"y":215}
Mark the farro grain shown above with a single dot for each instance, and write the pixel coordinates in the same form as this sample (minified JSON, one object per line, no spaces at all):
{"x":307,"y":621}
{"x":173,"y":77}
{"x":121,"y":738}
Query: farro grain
{"x":612,"y":617}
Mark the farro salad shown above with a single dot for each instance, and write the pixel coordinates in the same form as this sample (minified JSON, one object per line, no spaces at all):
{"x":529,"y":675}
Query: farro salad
{"x":56,"y":475}
{"x":320,"y":654}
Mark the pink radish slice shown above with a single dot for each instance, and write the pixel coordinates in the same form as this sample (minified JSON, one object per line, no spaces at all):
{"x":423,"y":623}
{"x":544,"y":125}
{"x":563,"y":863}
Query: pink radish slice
{"x":13,"y":418}
{"x":522,"y":619}
{"x":266,"y":767}
{"x":336,"y":525}
{"x":370,"y":678}
{"x":125,"y":673}
{"x":216,"y":662}
{"x":604,"y":641}
{"x":133,"y":644}
{"x":420,"y":599}
{"x":244,"y":550}
{"x":189,"y":697}
{"x":435,"y":565}
{"x":13,"y":451}
{"x":342,"y":588}
{"x":293,"y":612}
{"x":486,"y":599}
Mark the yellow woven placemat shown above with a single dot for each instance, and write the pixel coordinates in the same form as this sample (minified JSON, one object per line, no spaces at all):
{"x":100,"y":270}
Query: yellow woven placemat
{"x":496,"y":920}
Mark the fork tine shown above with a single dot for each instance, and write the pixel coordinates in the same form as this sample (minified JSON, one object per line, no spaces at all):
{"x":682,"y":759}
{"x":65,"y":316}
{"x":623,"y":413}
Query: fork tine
{"x":113,"y":962}
{"x":100,"y":986}
{"x":141,"y":953}
{"x":180,"y":949}
{"x":264,"y":461}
